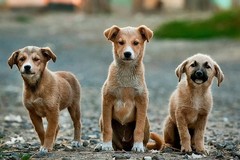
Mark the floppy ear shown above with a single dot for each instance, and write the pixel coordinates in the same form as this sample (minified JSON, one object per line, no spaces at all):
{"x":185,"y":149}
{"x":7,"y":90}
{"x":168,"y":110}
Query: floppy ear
{"x":145,"y":32}
{"x":111,"y":32}
{"x":13,"y":59}
{"x":219,"y":74}
{"x":46,"y":51}
{"x":181,"y":69}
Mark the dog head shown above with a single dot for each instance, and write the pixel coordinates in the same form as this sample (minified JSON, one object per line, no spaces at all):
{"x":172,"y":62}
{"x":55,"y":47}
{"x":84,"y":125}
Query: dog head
{"x":31,"y":61}
{"x":128,"y":42}
{"x":200,"y":69}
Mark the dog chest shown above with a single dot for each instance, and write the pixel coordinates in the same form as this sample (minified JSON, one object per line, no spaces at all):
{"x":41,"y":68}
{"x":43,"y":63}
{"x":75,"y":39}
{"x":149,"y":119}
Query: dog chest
{"x":38,"y":105}
{"x":124,"y":106}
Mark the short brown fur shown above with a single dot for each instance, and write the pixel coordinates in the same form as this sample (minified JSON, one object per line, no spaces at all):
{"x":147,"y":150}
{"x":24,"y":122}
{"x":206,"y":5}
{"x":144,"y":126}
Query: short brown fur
{"x":124,"y":123}
{"x":46,"y":93}
{"x":191,"y":103}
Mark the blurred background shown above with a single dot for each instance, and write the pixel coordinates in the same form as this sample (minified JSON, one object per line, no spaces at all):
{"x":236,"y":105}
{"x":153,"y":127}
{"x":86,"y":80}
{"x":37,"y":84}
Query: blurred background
{"x":73,"y":29}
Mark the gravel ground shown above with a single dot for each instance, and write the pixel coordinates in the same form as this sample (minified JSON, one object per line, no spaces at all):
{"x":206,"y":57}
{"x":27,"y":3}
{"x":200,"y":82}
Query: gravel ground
{"x":80,"y":47}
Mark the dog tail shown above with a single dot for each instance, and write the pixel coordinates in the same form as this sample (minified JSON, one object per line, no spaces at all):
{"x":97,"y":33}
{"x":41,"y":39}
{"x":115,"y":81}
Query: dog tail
{"x":158,"y":144}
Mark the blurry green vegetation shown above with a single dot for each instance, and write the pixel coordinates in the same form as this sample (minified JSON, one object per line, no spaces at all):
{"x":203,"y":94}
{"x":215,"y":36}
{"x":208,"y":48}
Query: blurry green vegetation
{"x":222,"y":24}
{"x":23,"y":19}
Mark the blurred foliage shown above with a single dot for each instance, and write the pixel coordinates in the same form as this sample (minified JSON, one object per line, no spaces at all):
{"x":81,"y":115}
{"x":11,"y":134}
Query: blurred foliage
{"x":23,"y":18}
{"x":222,"y":24}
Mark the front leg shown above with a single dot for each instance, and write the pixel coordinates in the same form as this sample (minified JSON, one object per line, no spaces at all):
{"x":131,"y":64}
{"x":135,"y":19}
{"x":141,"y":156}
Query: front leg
{"x":106,"y":122}
{"x":199,"y":133}
{"x":182,"y":127}
{"x":141,"y":105}
{"x":52,"y":118}
{"x":38,"y":125}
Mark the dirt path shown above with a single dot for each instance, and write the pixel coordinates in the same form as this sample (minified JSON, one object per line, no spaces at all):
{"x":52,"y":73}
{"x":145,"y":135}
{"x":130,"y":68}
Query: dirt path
{"x":81,"y":48}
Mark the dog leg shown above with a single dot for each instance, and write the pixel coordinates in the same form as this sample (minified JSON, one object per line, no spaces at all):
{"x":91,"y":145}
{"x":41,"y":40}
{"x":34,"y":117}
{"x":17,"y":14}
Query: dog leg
{"x":52,"y":119}
{"x":185,"y":137}
{"x":199,"y":133}
{"x":106,"y":122}
{"x":141,"y":105}
{"x":75,"y":115}
{"x":58,"y":127}
{"x":38,"y":125}
{"x":170,"y":133}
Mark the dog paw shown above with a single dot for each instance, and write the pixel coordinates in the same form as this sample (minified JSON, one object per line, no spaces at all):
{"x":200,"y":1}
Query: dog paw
{"x":202,"y":151}
{"x":76,"y":144}
{"x":107,"y":146}
{"x":138,"y":147}
{"x":187,"y":149}
{"x":43,"y":150}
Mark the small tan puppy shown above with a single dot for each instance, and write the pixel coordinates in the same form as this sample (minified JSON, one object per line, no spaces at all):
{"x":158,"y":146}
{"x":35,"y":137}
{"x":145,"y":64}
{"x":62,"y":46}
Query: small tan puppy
{"x":191,"y":103}
{"x":46,"y":93}
{"x":124,"y":123}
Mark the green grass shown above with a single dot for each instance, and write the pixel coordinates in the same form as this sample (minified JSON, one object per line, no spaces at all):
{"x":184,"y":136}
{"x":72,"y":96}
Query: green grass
{"x":223,"y":24}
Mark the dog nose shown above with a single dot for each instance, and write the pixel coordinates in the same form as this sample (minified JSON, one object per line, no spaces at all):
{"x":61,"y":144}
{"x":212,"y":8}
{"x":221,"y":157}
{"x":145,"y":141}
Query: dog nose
{"x":27,"y":67}
{"x":127,"y":54}
{"x":198,"y":73}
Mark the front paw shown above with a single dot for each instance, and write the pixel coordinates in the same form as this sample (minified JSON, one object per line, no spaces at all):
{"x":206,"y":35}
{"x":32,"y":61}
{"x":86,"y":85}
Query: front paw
{"x":43,"y":150}
{"x":186,"y":149}
{"x":76,"y":144}
{"x":107,"y":146}
{"x":201,"y":150}
{"x":138,"y":147}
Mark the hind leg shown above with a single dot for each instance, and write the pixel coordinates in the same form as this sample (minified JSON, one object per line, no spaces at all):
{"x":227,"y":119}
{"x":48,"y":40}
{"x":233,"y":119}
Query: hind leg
{"x":170,"y":134}
{"x":76,"y":115}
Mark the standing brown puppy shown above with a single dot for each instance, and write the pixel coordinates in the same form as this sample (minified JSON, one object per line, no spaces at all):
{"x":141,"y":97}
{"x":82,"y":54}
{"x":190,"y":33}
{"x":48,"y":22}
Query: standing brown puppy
{"x":191,"y":103}
{"x":124,"y":123}
{"x":46,"y":93}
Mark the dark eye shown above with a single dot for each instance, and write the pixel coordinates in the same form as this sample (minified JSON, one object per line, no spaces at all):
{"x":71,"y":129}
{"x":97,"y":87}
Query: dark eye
{"x":135,"y":43}
{"x":21,"y":59}
{"x":207,"y":66}
{"x":194,"y":64}
{"x":35,"y":59}
{"x":121,"y":43}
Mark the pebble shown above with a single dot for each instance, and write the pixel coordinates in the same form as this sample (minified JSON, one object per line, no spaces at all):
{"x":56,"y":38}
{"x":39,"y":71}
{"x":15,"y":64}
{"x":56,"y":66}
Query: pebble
{"x":121,"y":156}
{"x":156,"y":157}
{"x":230,"y":147}
{"x":147,"y":158}
{"x":218,"y":155}
{"x":94,"y":141}
{"x":85,"y":143}
{"x":236,"y":154}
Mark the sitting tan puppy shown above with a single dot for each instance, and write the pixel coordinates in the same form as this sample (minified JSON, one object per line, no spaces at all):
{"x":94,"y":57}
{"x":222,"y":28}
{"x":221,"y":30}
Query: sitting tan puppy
{"x":46,"y":93}
{"x":124,"y":123}
{"x":191,"y":103}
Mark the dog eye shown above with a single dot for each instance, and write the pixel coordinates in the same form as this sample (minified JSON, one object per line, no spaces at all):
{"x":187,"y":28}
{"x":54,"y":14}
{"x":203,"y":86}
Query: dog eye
{"x":135,"y":43}
{"x":21,"y":59}
{"x":35,"y":59}
{"x":207,"y":66}
{"x":194,"y":64}
{"x":121,"y":43}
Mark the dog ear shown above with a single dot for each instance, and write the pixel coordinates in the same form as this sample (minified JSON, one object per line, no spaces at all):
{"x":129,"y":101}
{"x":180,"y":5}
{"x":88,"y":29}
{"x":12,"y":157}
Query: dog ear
{"x":13,"y":59}
{"x":146,"y":33}
{"x":111,"y":32}
{"x":219,"y":74}
{"x":46,"y":51}
{"x":181,"y":69}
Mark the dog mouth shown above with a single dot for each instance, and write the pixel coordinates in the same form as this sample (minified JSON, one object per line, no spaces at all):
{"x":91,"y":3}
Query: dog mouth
{"x":28,"y":73}
{"x":199,"y":77}
{"x":127,"y":59}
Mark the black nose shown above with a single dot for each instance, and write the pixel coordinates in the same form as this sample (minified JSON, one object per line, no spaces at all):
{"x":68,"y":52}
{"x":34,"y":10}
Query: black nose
{"x":127,"y":54}
{"x":199,"y":73}
{"x":27,"y":67}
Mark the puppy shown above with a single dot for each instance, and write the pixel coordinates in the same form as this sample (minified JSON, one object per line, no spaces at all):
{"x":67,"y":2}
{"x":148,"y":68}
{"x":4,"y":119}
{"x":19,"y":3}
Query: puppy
{"x":46,"y":93}
{"x":123,"y":121}
{"x":191,"y":103}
